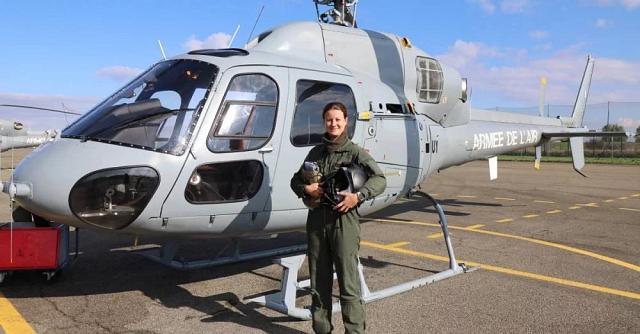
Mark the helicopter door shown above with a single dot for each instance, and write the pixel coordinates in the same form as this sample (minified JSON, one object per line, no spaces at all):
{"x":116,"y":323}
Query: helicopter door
{"x":225,"y":183}
{"x":309,"y":92}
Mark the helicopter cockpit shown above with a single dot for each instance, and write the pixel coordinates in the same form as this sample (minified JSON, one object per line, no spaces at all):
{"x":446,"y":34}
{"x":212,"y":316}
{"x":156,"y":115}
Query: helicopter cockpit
{"x":157,"y":111}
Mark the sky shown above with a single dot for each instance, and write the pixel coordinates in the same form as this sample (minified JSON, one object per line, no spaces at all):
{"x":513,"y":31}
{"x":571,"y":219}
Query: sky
{"x":71,"y":54}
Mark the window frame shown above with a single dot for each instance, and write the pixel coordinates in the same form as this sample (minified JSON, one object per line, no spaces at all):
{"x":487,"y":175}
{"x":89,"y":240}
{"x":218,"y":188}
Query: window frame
{"x":222,"y":112}
{"x":258,"y":189}
{"x":295,"y":110}
{"x":428,"y":70}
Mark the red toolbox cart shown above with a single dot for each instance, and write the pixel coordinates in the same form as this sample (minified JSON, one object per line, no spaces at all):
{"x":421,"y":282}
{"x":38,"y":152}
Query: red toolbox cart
{"x":23,"y":246}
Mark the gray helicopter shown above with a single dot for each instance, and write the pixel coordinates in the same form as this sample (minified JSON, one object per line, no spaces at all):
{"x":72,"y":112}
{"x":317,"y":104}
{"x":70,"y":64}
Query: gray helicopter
{"x":203,"y":145}
{"x":14,"y":134}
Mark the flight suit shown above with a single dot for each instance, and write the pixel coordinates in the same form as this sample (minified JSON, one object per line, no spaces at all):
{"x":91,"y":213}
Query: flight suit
{"x":334,"y":239}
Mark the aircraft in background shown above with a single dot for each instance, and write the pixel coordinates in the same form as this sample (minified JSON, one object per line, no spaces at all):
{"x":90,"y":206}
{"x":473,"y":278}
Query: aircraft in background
{"x":14,"y":134}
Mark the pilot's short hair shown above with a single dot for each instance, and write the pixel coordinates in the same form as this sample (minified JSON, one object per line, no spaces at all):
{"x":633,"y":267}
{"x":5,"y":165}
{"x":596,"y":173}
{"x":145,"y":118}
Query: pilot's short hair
{"x":335,"y":105}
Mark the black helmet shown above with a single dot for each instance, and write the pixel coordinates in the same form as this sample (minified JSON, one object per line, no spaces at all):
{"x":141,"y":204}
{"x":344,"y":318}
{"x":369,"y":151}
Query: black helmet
{"x":347,"y":178}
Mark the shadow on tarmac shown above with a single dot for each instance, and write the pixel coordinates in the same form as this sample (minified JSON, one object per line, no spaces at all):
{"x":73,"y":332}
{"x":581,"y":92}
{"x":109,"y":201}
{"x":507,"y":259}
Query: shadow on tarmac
{"x":101,"y":270}
{"x":419,"y":203}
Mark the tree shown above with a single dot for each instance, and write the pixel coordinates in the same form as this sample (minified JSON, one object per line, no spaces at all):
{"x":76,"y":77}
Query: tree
{"x":613,"y":128}
{"x":638,"y":134}
{"x":609,"y":140}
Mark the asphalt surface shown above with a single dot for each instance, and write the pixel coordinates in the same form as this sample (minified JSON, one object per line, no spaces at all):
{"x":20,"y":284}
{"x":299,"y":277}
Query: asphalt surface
{"x":558,"y":253}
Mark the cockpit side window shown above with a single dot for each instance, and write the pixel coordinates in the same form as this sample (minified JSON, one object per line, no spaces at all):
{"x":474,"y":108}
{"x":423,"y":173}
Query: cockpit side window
{"x":311,"y":97}
{"x":430,"y":80}
{"x":247,"y":116}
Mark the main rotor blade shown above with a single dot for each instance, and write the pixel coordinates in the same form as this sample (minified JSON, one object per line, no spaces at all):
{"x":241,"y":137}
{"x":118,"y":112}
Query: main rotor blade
{"x":40,"y":108}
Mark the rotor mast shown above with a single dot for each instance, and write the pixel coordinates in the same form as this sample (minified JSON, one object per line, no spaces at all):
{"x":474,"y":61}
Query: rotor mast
{"x":343,"y":12}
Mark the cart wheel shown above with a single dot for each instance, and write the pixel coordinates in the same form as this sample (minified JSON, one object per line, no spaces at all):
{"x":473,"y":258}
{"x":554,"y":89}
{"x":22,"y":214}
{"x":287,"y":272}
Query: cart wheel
{"x":52,"y":276}
{"x":4,"y":277}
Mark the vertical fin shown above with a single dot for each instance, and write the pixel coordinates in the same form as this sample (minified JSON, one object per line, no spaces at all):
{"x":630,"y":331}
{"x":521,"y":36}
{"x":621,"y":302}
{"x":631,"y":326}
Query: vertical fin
{"x":581,"y":100}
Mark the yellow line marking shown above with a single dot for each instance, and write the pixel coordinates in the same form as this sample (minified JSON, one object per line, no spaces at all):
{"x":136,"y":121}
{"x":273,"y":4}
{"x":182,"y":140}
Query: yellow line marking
{"x":517,"y":237}
{"x":506,"y":220}
{"x":473,"y":227}
{"x":398,"y":244}
{"x":635,"y":195}
{"x":574,"y":207}
{"x":466,"y":196}
{"x":435,"y":235}
{"x":548,"y":202}
{"x":590,"y":205}
{"x":509,"y":271}
{"x":530,"y":216}
{"x":629,"y":209}
{"x":505,"y":199}
{"x":10,"y":319}
{"x":608,"y":200}
{"x":554,"y":211}
{"x":623,"y":197}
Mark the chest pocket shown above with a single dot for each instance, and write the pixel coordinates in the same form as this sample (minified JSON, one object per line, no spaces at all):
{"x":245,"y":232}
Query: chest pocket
{"x":344,"y":159}
{"x":332,"y":162}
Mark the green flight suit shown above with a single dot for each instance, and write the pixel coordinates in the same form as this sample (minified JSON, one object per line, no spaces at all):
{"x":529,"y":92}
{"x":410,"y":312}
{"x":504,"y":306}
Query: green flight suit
{"x":334,"y":238}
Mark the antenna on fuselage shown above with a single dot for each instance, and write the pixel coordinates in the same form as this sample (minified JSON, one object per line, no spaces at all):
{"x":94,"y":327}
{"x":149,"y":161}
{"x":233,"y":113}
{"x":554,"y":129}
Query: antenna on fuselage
{"x":255,"y":24}
{"x":164,"y":56}
{"x":234,"y":36}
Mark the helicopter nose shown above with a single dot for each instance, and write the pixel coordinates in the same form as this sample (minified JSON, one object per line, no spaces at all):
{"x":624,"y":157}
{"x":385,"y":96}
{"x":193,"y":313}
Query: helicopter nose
{"x":41,"y":181}
{"x":89,"y":184}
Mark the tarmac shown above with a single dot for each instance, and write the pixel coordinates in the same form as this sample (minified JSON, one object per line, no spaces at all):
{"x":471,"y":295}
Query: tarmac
{"x":557,"y":253}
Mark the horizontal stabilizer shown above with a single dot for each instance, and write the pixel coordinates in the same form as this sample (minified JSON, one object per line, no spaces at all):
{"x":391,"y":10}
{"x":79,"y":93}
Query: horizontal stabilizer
{"x":582,"y":134}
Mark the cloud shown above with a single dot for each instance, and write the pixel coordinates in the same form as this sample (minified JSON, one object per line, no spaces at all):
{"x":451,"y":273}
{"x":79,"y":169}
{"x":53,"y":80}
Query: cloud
{"x":629,"y":123}
{"x":514,"y":6}
{"x":602,"y":23}
{"x":628,"y":4}
{"x":539,"y":34}
{"x":506,"y":6}
{"x":216,"y":40}
{"x":462,"y":53}
{"x":512,"y":75}
{"x":119,"y":72}
{"x":486,"y":5}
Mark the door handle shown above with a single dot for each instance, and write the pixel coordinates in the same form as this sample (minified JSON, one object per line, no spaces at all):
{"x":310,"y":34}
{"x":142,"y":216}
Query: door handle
{"x":266,"y":150}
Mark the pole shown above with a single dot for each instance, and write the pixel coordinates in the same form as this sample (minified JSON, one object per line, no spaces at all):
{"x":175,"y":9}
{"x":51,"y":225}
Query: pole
{"x":543,"y":85}
{"x":611,"y":138}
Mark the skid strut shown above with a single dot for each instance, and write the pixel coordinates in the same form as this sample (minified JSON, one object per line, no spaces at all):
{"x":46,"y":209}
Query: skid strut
{"x":284,"y":300}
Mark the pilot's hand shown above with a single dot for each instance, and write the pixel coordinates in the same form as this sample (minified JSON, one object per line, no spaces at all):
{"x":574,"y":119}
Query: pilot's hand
{"x":349,"y":202}
{"x":314,"y":190}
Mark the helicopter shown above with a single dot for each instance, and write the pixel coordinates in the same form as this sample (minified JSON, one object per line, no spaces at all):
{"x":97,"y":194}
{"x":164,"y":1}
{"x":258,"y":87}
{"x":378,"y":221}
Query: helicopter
{"x":14,"y":134}
{"x":203,"y":145}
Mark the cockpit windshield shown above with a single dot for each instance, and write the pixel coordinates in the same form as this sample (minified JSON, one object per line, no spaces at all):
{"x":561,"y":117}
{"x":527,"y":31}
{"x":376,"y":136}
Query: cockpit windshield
{"x":157,"y":111}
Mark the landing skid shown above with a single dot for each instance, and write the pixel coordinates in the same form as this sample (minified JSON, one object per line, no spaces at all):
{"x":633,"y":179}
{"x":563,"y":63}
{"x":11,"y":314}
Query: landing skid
{"x":284,"y":300}
{"x":231,"y":253}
